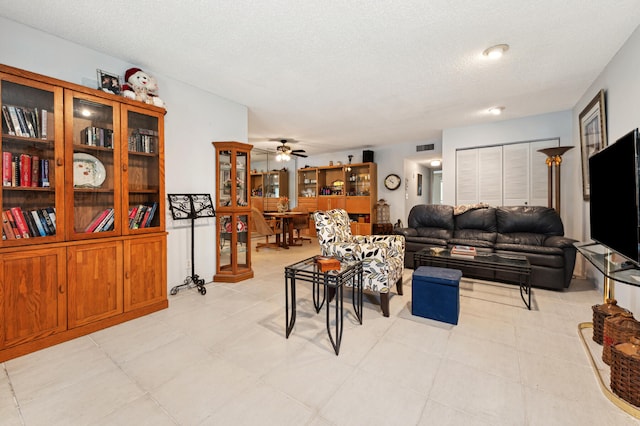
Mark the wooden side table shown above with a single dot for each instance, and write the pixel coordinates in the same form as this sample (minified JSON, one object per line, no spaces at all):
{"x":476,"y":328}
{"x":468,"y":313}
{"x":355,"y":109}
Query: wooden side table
{"x":382,"y":229}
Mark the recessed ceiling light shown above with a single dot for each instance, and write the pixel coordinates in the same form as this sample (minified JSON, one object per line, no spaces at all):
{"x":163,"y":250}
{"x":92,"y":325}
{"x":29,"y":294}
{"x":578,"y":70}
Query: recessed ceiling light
{"x":496,"y":110}
{"x":435,"y":163}
{"x":496,"y":52}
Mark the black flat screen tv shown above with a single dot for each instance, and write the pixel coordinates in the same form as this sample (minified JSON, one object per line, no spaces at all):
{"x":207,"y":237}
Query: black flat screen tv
{"x":614,"y":194}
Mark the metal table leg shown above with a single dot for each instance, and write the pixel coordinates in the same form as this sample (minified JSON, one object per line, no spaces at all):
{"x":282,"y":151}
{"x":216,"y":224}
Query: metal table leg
{"x":290,"y":322}
{"x":339,"y":321}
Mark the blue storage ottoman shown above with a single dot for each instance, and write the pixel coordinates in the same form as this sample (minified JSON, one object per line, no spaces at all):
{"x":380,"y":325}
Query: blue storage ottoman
{"x":435,"y":293}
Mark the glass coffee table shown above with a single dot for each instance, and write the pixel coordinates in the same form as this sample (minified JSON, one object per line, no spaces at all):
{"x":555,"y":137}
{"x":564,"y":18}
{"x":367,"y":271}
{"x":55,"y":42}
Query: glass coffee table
{"x":332,"y":282}
{"x":489,"y":266}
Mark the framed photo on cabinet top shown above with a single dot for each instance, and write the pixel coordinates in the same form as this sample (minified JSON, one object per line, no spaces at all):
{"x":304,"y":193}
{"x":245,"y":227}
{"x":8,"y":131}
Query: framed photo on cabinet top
{"x":593,"y":135}
{"x":108,"y":82}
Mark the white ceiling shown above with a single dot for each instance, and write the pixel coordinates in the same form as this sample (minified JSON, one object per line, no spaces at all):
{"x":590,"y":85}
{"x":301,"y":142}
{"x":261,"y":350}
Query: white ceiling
{"x":337,"y":74}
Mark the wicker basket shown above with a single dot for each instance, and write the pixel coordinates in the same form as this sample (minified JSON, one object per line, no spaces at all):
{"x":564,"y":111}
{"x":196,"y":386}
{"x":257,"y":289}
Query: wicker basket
{"x":600,"y":312}
{"x":618,"y":329}
{"x":625,"y":371}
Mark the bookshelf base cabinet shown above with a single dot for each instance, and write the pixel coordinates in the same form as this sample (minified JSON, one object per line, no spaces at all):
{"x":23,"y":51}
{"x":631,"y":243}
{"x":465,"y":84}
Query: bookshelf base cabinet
{"x":51,"y":295}
{"x":95,"y":287}
{"x":33,"y":299}
{"x":83,"y":211}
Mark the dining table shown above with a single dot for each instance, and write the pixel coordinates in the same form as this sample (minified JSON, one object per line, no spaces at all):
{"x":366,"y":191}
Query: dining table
{"x":286,"y":222}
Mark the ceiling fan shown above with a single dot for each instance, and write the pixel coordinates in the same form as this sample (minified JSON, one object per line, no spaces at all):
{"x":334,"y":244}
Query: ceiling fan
{"x":284,"y":152}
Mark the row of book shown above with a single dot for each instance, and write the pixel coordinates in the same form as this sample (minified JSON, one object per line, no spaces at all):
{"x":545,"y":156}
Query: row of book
{"x":24,"y":170}
{"x":18,"y":223}
{"x":96,"y":136}
{"x":102,"y":222}
{"x":142,"y":215}
{"x":463,"y":251}
{"x":27,"y":122}
{"x":143,"y":140}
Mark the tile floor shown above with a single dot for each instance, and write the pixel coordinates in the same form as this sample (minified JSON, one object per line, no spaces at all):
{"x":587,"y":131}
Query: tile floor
{"x":222,"y":359}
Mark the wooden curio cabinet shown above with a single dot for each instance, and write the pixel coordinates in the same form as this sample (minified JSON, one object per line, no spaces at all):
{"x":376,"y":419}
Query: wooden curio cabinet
{"x":233,"y":211}
{"x":83,"y":237}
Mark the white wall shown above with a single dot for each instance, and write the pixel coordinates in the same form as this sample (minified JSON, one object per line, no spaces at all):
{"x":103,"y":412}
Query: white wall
{"x":545,"y":126}
{"x":622,"y":86}
{"x":194,"y":119}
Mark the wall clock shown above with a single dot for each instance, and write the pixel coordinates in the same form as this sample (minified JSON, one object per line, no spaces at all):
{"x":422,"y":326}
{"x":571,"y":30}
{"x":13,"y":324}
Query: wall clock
{"x":392,"y":181}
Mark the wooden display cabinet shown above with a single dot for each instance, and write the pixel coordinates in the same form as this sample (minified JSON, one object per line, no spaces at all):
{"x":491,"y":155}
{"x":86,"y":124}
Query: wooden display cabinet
{"x":233,"y":239}
{"x":352,"y":187}
{"x":71,"y":271}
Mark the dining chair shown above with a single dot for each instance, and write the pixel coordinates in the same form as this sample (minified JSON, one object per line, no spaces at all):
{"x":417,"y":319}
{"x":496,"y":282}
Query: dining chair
{"x":300,"y":223}
{"x":266,"y":228}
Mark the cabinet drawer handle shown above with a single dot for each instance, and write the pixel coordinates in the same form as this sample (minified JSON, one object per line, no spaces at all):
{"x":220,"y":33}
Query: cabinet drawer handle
{"x":124,"y":167}
{"x":126,"y":275}
{"x":61,"y":289}
{"x":59,"y":162}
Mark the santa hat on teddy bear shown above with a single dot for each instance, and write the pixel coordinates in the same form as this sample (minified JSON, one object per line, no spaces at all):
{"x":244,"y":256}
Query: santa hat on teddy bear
{"x":130,"y":72}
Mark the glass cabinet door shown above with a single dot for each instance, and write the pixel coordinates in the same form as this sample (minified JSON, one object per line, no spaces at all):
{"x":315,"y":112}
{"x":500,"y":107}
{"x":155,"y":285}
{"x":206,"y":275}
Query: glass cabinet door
{"x":233,"y":211}
{"x":142,"y":177}
{"x":242,"y":173}
{"x":93,"y":193}
{"x":32,"y":165}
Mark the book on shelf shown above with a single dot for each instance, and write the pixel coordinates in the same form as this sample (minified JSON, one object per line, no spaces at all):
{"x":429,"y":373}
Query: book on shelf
{"x":102,"y":226}
{"x":35,"y":170}
{"x":14,"y":119}
{"x":8,"y":123}
{"x":44,"y":223}
{"x":21,"y":223}
{"x":38,"y":223}
{"x":467,"y":251}
{"x":6,"y":168}
{"x":48,"y":221}
{"x":33,"y":230}
{"x":152,"y":213}
{"x":14,"y":226}
{"x":25,"y":170}
{"x":51,"y":211}
{"x":44,"y":173}
{"x":97,"y":220}
{"x":6,"y":227}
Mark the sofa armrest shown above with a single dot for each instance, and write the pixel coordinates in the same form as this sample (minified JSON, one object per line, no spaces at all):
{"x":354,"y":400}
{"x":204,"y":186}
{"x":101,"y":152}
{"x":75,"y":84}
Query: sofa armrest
{"x":559,"y":242}
{"x":407,"y":232}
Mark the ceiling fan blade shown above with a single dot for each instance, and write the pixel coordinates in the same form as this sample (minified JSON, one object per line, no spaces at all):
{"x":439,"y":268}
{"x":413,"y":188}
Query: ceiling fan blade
{"x":298,"y":150}
{"x":299,"y":155}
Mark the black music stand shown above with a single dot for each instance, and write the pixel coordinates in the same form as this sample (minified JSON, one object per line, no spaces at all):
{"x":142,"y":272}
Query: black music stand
{"x":191,"y":206}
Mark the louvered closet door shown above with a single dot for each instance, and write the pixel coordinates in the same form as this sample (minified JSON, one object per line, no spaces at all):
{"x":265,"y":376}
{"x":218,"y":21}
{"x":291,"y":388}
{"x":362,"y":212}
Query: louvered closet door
{"x":516,"y":174}
{"x":538,"y":191}
{"x":490,"y":175}
{"x":467,"y":176}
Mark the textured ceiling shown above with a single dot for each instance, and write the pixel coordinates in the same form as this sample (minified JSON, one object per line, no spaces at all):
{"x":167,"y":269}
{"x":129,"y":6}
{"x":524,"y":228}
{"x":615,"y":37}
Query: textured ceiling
{"x":338,"y":74}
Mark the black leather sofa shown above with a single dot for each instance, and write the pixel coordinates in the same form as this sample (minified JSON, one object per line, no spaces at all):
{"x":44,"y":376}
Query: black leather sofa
{"x":535,"y":232}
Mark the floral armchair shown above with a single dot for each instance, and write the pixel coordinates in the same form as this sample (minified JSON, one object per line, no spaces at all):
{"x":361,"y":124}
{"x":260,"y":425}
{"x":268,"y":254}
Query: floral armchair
{"x":382,"y":256}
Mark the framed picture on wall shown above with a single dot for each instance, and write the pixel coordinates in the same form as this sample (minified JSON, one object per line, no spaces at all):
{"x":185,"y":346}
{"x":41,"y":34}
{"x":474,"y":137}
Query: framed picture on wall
{"x":419,"y":184}
{"x":593,"y":135}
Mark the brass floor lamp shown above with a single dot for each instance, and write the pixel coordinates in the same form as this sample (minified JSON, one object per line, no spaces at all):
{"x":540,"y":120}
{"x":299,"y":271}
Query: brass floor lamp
{"x":554,"y":158}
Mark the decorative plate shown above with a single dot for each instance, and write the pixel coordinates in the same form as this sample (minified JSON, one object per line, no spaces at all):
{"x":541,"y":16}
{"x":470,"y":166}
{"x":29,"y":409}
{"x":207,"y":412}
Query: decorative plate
{"x":88,"y":171}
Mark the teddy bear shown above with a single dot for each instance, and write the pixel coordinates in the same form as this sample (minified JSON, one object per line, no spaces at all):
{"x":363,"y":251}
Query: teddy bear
{"x":141,"y":87}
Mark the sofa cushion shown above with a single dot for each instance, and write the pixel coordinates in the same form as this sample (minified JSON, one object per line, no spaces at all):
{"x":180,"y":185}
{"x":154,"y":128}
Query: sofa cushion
{"x":477,"y":224}
{"x":528,"y":219}
{"x":542,"y":256}
{"x":473,"y":242}
{"x":523,"y":238}
{"x":431,"y":216}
